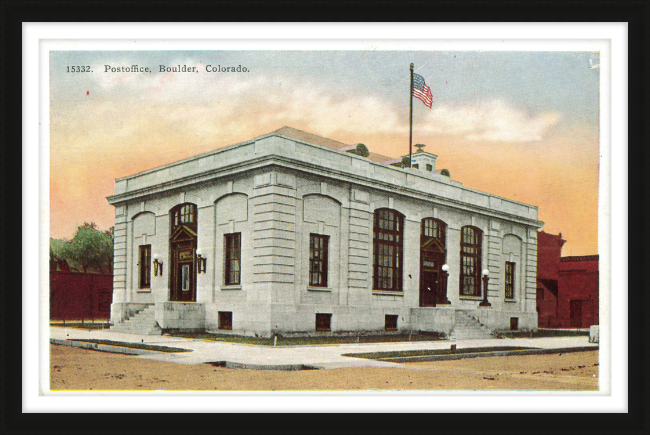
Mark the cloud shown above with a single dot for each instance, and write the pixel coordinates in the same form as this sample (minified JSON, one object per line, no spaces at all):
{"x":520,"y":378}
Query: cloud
{"x":494,"y":121}
{"x":203,"y":102}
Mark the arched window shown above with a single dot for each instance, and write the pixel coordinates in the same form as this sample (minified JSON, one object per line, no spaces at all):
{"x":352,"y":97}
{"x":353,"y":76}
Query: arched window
{"x":387,"y":250}
{"x":471,"y":239}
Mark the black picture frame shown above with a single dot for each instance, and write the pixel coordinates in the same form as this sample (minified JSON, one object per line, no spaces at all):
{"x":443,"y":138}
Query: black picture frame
{"x":635,"y":13}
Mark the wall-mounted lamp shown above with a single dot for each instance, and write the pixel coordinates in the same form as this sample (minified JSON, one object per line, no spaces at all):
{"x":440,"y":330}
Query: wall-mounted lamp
{"x":201,"y":261}
{"x":484,"y":302}
{"x":157,"y":265}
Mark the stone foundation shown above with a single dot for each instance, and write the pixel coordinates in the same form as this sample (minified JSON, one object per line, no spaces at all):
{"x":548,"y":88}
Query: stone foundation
{"x":180,"y":316}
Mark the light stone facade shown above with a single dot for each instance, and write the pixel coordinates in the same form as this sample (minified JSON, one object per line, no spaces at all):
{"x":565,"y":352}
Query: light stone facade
{"x":276,"y":190}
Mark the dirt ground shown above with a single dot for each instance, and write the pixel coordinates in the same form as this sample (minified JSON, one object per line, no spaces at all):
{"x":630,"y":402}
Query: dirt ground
{"x":82,"y":369}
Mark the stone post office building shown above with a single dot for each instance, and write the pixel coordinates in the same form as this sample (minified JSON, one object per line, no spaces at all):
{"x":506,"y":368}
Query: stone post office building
{"x":289,"y":233}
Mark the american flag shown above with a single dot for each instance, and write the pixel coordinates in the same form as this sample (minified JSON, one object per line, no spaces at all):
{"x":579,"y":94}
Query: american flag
{"x":421,"y":90}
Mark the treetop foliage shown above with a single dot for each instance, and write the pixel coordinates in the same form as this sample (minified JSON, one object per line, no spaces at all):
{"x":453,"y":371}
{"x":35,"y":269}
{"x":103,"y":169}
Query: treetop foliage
{"x":89,"y":251}
{"x":360,"y":150}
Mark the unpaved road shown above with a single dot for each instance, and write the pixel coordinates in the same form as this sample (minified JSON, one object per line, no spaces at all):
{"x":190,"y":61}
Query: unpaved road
{"x":82,"y":369}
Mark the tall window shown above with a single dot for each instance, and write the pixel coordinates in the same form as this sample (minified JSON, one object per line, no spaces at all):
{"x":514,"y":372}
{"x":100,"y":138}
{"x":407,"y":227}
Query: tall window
{"x":318,"y":260}
{"x":470,"y":261}
{"x":233,"y":258}
{"x":145,"y":266}
{"x":387,"y":250}
{"x":510,"y":280}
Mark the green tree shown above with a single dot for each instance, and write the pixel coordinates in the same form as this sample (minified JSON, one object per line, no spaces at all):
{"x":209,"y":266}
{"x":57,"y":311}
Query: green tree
{"x":406,"y":162}
{"x":360,"y":150}
{"x":445,"y":172}
{"x":90,"y":251}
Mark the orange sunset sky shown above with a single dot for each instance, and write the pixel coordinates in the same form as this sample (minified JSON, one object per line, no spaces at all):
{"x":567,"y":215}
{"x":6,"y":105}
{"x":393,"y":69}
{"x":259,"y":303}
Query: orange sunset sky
{"x":521,"y":125}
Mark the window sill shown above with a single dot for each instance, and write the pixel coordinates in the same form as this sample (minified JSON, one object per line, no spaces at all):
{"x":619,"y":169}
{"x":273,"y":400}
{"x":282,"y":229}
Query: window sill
{"x":470,"y":298}
{"x":231,"y":287}
{"x":387,"y":293}
{"x":510,"y":300}
{"x":144,"y":290}
{"x":319,"y":289}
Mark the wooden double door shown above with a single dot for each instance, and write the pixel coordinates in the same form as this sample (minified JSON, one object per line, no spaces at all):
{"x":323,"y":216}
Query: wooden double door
{"x":431,"y":285}
{"x":183,"y":266}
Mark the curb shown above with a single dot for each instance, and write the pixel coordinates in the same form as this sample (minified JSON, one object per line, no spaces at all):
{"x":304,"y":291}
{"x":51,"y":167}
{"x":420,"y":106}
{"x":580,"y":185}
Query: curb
{"x":103,"y":347}
{"x":487,"y":354}
{"x":277,"y":367}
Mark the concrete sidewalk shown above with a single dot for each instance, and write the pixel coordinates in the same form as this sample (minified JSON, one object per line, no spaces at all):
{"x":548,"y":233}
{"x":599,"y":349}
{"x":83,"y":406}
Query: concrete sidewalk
{"x":322,"y":356}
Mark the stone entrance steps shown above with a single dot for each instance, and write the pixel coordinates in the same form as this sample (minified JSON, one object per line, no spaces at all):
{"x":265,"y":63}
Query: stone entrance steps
{"x":143,"y":322}
{"x":468,"y":328}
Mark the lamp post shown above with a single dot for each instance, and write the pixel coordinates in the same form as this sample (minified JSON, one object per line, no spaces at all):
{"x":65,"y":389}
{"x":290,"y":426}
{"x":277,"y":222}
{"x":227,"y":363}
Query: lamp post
{"x":442,"y":294}
{"x":484,"y":302}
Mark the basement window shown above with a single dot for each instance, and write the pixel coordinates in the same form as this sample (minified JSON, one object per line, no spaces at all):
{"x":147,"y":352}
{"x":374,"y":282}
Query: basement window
{"x":514,"y":323}
{"x":323,"y":322}
{"x":390,"y":323}
{"x":225,"y":320}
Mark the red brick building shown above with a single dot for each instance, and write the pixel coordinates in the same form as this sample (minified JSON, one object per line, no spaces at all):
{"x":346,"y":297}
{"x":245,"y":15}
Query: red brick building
{"x":567,"y":287}
{"x":80,"y":296}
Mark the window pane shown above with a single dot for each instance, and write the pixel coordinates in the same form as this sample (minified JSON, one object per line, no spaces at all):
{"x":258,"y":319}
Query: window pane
{"x":233,"y":259}
{"x":387,"y":250}
{"x":185,"y":278}
{"x":470,"y":253}
{"x":145,"y":266}
{"x":318,"y":260}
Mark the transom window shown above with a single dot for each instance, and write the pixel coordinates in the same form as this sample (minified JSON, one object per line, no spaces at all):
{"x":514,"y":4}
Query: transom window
{"x":510,"y":280}
{"x":184,"y":214}
{"x":387,"y":250}
{"x":434,"y":229}
{"x":145,"y":266}
{"x":318,"y":260}
{"x":233,"y":258}
{"x":470,"y":261}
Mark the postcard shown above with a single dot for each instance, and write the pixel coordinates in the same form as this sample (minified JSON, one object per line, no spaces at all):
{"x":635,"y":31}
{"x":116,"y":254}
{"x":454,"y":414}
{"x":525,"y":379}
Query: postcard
{"x":387,"y":217}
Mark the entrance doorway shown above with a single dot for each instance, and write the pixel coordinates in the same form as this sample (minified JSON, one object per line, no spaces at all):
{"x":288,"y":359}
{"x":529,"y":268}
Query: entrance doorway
{"x":182,"y":246}
{"x":576,"y":313}
{"x":429,"y":285}
{"x":433,"y":256}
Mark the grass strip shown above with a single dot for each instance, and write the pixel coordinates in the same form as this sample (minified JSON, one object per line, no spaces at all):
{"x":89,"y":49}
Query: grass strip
{"x":79,"y":325}
{"x":541,"y":333}
{"x":436,"y":352}
{"x":140,"y":346}
{"x":306,"y":341}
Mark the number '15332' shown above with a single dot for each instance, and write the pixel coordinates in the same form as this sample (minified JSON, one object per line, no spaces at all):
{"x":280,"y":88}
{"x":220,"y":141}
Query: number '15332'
{"x":78,"y":69}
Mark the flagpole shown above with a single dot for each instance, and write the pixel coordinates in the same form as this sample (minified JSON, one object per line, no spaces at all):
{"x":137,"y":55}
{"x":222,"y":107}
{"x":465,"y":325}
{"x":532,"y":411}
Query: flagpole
{"x":411,"y":122}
